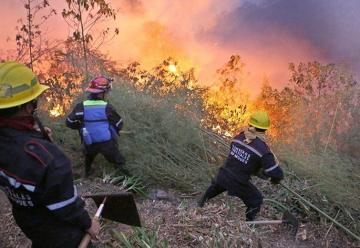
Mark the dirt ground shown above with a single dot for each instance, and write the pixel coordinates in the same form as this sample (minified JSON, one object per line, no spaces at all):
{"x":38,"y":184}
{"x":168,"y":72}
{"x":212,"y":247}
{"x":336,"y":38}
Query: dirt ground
{"x":177,"y":220}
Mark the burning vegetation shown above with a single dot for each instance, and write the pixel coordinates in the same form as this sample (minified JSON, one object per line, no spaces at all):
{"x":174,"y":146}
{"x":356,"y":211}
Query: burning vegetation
{"x":314,"y":119}
{"x":321,"y":101}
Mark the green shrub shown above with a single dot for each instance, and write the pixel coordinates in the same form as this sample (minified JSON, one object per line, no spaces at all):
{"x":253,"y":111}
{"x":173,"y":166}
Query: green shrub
{"x":140,"y":238}
{"x":166,"y":145}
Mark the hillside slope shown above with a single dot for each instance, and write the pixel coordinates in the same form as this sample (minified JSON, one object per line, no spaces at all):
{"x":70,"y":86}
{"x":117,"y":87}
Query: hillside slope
{"x":166,"y":148}
{"x":177,"y":220}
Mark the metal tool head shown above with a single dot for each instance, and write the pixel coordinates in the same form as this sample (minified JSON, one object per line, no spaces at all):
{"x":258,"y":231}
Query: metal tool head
{"x":119,"y":207}
{"x":289,"y":219}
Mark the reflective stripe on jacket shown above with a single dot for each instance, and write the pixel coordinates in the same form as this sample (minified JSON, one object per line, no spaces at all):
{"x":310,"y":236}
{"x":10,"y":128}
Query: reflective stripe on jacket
{"x":37,"y":178}
{"x":245,"y":160}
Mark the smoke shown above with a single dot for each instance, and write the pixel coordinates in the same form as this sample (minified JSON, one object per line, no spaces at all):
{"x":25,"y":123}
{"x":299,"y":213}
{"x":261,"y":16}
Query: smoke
{"x":151,"y":31}
{"x":267,"y":34}
{"x":329,"y":28}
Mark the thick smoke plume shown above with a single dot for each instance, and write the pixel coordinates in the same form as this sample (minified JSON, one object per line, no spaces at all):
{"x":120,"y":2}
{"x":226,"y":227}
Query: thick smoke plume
{"x":267,"y":34}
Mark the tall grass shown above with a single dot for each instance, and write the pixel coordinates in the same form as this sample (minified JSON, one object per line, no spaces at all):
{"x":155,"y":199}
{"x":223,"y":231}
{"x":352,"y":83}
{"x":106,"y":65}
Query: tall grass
{"x":163,"y":144}
{"x":331,"y":182}
{"x":140,"y":238}
{"x":335,"y":175}
{"x":166,"y":146}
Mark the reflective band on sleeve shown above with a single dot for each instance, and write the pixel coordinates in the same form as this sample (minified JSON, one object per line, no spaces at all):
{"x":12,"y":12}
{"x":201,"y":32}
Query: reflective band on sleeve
{"x":247,"y":146}
{"x":69,"y":120}
{"x":29,"y":187}
{"x":272,"y":168}
{"x":118,"y":123}
{"x":79,"y":113}
{"x":16,"y":184}
{"x":62,"y":204}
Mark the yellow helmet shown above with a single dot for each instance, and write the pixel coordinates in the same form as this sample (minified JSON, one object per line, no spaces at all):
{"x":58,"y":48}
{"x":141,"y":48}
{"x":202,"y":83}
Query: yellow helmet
{"x":18,"y":85}
{"x":260,"y":119}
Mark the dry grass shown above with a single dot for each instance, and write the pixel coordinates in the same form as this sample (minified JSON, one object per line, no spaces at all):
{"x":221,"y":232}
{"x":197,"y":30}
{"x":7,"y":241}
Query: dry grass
{"x":167,"y":148}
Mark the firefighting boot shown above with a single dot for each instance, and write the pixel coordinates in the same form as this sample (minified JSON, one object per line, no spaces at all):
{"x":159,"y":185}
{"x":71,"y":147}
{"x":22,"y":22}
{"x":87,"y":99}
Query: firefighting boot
{"x":251,"y":213}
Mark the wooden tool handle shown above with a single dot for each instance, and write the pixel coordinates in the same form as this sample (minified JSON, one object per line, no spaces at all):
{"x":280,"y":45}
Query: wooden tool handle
{"x":85,"y":241}
{"x":256,"y":222}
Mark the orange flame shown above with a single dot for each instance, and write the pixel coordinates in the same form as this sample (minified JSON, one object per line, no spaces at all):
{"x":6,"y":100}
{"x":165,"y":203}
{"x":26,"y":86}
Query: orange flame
{"x":172,"y":68}
{"x":57,"y":111}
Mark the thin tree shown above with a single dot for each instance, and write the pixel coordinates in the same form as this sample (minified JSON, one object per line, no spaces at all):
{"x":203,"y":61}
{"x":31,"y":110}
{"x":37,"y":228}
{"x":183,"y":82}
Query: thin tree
{"x":82,"y":16}
{"x":29,"y":35}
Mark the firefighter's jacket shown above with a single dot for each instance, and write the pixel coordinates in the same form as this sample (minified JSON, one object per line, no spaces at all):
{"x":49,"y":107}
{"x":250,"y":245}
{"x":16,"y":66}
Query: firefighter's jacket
{"x":98,"y":118}
{"x":37,"y":178}
{"x":247,"y":159}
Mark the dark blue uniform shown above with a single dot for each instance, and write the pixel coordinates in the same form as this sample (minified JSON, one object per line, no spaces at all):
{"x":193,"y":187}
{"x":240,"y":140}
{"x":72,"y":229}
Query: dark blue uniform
{"x":244,"y":160}
{"x":37,"y":178}
{"x":98,"y":124}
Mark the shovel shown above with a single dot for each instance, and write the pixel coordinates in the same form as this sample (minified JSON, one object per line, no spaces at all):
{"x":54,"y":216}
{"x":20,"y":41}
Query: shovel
{"x":118,"y":207}
{"x":287,"y":218}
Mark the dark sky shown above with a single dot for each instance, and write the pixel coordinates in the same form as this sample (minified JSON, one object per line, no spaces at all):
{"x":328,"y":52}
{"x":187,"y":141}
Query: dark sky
{"x":331,"y":26}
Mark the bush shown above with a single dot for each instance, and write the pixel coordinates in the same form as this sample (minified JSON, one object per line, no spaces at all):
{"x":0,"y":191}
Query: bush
{"x":163,"y":144}
{"x":166,"y":145}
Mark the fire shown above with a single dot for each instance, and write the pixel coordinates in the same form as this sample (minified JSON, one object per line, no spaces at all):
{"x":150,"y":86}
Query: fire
{"x":57,"y":111}
{"x":172,"y":68}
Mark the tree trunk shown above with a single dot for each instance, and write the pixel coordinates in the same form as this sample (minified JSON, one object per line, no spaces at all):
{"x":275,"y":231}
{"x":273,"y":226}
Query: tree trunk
{"x":29,"y":17}
{"x":83,"y":41}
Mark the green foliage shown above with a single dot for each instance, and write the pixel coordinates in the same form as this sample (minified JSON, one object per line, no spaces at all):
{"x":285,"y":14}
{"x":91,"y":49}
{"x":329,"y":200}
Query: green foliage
{"x":327,"y":170}
{"x":141,"y":238}
{"x":127,"y":183}
{"x":166,"y":146}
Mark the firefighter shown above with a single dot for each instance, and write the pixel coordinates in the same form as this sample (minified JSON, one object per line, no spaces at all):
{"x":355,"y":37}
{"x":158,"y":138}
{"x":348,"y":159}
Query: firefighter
{"x":249,"y":155}
{"x":34,"y":173}
{"x":98,"y":124}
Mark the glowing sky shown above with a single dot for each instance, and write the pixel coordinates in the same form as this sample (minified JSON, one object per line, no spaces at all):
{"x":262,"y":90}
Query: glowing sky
{"x":267,"y":34}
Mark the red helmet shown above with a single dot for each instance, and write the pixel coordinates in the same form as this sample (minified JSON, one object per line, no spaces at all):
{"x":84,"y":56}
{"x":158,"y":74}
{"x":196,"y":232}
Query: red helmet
{"x":99,"y":84}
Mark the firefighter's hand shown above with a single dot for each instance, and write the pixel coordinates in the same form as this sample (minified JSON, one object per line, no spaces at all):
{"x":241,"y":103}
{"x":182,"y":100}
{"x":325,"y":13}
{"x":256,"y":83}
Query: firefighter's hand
{"x":94,"y":229}
{"x":47,"y":130}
